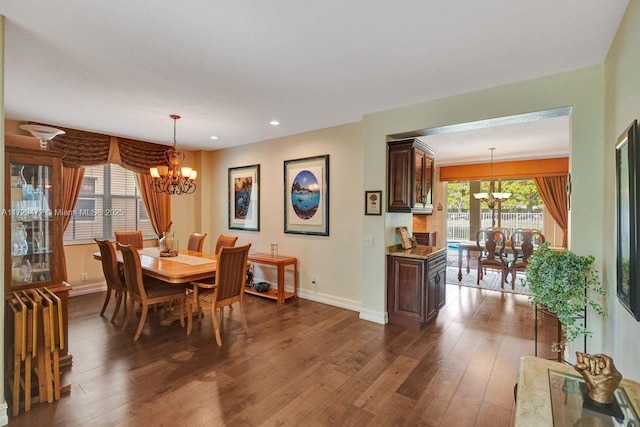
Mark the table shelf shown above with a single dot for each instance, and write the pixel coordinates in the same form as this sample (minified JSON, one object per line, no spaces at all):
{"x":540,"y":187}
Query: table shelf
{"x":270,"y":294}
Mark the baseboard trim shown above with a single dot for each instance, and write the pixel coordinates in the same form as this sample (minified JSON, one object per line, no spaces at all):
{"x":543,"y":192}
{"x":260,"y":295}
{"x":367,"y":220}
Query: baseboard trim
{"x":90,"y":288}
{"x":329,"y":299}
{"x":380,"y":317}
{"x":4,"y":414}
{"x":368,"y":315}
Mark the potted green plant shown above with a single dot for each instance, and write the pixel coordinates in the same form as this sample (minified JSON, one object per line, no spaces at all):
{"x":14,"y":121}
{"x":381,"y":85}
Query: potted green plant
{"x":562,"y":282}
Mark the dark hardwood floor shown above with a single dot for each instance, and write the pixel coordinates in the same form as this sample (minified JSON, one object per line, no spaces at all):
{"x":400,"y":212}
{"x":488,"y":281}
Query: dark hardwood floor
{"x":303,"y":363}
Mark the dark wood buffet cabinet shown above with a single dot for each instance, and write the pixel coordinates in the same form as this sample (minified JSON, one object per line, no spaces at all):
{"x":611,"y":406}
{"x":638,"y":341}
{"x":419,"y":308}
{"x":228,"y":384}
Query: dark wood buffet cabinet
{"x":416,"y":285}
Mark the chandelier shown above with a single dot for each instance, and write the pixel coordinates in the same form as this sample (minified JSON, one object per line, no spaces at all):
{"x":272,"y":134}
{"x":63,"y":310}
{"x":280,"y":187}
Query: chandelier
{"x":171,"y":178}
{"x":492,"y":198}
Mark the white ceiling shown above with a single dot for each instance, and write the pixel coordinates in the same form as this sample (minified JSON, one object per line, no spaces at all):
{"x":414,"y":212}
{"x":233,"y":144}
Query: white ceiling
{"x":543,"y":138}
{"x":230,"y":67}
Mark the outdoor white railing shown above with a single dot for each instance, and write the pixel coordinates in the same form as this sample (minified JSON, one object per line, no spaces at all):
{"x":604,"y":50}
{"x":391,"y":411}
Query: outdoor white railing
{"x":458,"y":223}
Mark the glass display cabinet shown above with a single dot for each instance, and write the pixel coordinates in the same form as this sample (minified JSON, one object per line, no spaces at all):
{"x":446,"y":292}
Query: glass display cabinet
{"x":32,"y":206}
{"x":33,"y":225}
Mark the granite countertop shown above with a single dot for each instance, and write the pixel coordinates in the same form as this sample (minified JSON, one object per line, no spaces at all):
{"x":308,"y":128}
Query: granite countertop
{"x":420,"y":252}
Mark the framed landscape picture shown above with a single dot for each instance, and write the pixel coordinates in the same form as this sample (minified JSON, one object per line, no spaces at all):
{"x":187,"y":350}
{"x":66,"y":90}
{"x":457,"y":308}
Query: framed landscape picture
{"x":627,"y":215}
{"x":244,"y":198}
{"x":306,"y":196}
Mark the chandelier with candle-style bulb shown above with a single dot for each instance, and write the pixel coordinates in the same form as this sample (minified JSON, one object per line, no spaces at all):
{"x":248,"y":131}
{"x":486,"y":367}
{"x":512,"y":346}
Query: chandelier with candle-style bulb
{"x":492,"y":198}
{"x":173,"y":178}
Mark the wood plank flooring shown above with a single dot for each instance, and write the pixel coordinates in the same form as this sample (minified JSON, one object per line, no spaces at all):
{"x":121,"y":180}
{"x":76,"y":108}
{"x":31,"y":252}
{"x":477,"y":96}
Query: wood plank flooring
{"x":303,"y":363}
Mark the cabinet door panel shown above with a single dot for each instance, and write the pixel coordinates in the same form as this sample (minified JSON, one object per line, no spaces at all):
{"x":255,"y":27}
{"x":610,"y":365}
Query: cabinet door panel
{"x":400,"y":180}
{"x":405,"y":291}
{"x":442,"y":288}
{"x":409,"y":292}
{"x":432,"y":297}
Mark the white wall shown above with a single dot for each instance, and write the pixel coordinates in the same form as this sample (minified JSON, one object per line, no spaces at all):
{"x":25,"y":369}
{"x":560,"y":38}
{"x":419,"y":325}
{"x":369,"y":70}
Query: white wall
{"x":622,"y":102}
{"x":336,"y":259}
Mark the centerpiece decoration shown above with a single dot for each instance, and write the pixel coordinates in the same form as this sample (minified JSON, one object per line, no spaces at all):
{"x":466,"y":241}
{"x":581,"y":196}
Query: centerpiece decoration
{"x":168,"y":245}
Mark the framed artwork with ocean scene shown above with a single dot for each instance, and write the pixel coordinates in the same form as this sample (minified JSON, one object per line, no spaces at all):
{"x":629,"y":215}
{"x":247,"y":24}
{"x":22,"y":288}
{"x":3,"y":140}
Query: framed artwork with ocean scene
{"x":306,"y":196}
{"x":244,"y":198}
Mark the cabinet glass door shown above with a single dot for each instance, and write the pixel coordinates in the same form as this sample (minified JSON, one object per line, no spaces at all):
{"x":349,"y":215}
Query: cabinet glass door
{"x":419,"y":198}
{"x":31,"y":223}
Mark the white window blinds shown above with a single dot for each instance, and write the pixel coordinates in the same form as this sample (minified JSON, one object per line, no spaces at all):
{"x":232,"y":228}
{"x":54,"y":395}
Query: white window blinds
{"x":109,"y":201}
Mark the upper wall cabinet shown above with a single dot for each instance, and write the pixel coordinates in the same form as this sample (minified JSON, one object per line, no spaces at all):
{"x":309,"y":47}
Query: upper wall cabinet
{"x":410,"y":177}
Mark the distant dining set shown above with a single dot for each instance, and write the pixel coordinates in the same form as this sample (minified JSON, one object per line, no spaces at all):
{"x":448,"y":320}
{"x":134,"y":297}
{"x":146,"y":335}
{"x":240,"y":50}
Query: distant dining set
{"x":500,"y":250}
{"x":191,"y":279}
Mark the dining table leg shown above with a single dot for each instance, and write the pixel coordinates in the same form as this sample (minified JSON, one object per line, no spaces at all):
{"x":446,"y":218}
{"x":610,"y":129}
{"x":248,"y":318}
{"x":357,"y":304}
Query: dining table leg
{"x":459,"y":263}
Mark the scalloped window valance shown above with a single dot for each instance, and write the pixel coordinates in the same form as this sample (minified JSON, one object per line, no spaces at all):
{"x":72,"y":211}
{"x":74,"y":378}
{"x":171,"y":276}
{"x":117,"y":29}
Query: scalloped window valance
{"x":82,"y":148}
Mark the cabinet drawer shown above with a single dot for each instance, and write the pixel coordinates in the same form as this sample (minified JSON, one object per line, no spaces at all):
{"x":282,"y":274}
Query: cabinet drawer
{"x":436,"y":265}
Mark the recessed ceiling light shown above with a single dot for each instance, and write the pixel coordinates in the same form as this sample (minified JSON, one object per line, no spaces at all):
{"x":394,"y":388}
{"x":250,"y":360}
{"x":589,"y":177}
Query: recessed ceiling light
{"x":274,"y":123}
{"x":213,"y":137}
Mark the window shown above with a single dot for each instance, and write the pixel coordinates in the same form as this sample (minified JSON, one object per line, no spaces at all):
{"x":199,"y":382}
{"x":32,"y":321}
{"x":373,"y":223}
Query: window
{"x":86,"y":200}
{"x":109,"y":200}
{"x":523,"y":209}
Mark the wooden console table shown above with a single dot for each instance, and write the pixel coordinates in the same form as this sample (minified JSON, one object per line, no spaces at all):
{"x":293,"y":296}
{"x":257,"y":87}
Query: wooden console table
{"x":280,"y":262}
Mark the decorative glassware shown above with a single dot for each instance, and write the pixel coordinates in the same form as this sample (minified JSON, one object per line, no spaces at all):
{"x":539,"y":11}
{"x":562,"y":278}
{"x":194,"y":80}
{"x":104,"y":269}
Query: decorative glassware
{"x":37,"y":237}
{"x":19,"y":245}
{"x":21,"y":271}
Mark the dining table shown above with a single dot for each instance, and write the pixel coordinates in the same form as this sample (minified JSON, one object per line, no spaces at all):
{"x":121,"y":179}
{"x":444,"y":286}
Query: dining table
{"x":187,"y":266}
{"x":472,"y":245}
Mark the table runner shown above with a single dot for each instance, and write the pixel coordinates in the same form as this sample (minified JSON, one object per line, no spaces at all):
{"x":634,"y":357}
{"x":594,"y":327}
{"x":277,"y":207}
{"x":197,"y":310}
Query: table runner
{"x":183,"y":259}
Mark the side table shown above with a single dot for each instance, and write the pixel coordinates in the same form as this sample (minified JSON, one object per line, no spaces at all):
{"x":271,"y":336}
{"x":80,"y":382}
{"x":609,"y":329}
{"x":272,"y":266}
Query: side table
{"x":280,"y":262}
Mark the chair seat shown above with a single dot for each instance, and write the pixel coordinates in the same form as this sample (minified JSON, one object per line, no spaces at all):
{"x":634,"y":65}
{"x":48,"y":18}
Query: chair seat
{"x":206,"y":296}
{"x":160,"y":290}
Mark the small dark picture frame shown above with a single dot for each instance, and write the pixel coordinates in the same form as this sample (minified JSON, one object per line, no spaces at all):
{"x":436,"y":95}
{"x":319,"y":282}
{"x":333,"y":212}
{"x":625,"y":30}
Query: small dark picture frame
{"x":627,"y":215}
{"x":373,"y":202}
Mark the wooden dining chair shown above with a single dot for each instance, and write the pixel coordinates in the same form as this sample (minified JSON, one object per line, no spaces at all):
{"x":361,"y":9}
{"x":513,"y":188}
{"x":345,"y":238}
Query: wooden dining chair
{"x":228,"y":288}
{"x":133,"y":238}
{"x":491,"y":245}
{"x":225,"y":242}
{"x":196,"y":242}
{"x":505,"y":231}
{"x":111,"y":273}
{"x":146,"y":292}
{"x":523,"y":244}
